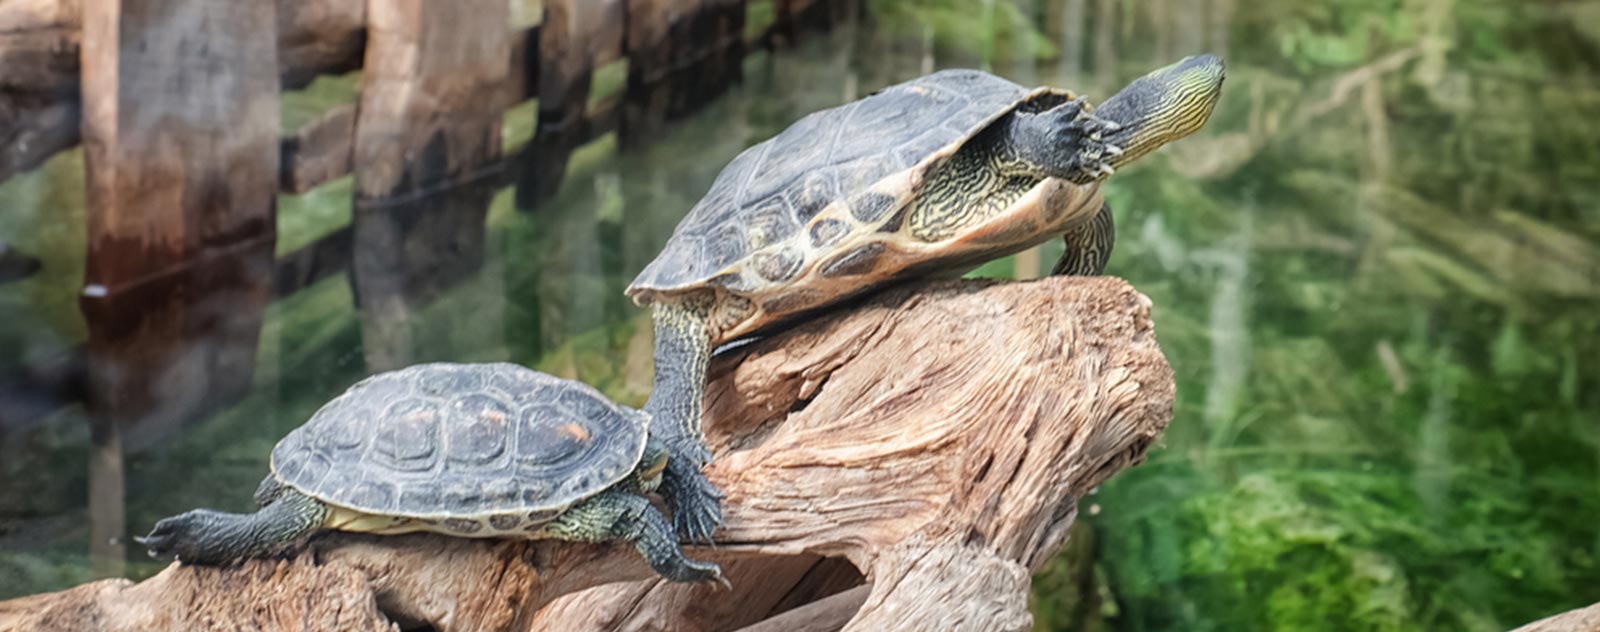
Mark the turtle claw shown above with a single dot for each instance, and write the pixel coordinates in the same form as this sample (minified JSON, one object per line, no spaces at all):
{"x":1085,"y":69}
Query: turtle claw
{"x":703,"y":572}
{"x":163,"y":538}
{"x":696,"y":504}
{"x":720,"y":579}
{"x":150,"y":547}
{"x":1080,"y":141}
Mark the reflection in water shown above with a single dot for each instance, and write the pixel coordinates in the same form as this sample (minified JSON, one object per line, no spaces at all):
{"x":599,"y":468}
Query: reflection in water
{"x":406,"y":254}
{"x":675,"y":73}
{"x":15,"y":266}
{"x":163,"y":350}
{"x":1374,"y":273}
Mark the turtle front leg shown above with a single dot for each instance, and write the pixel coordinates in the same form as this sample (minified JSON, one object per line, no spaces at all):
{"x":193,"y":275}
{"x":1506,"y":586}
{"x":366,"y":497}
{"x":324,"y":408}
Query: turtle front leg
{"x":683,"y":349}
{"x":1088,"y":246}
{"x":617,"y":515}
{"x":208,"y":536}
{"x":1062,"y":142}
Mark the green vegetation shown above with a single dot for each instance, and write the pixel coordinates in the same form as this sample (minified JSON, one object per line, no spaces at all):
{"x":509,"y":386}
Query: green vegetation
{"x":1381,"y":317}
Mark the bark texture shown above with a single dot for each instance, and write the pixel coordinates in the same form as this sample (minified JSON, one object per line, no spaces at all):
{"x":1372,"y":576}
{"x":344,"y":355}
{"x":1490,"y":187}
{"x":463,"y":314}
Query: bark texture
{"x":930,"y":443}
{"x":1580,"y":620}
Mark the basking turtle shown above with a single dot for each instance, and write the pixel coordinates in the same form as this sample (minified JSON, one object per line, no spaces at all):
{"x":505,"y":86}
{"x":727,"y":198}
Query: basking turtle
{"x":929,"y":177}
{"x":470,"y":450}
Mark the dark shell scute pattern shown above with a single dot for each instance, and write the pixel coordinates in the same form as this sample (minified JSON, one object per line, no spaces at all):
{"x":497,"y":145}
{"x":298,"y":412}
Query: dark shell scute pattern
{"x":462,"y":442}
{"x":774,"y":188}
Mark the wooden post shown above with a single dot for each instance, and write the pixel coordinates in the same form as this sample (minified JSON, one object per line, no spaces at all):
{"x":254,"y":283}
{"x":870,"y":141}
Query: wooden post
{"x":180,"y":135}
{"x":681,"y":53}
{"x":39,"y":104}
{"x":317,"y":37}
{"x":404,"y":255}
{"x":798,"y":16}
{"x":107,"y":501}
{"x":542,"y":166}
{"x":570,"y":259}
{"x":427,"y":127}
{"x":430,"y":94}
{"x":575,"y":38}
{"x":40,"y":108}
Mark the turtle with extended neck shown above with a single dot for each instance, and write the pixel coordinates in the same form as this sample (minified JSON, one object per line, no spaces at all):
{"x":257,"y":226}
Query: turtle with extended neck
{"x":930,"y":177}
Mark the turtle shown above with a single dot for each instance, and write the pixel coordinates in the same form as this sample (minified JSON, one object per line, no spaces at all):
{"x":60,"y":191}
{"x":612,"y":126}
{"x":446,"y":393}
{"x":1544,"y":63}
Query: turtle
{"x":471,"y":450}
{"x":929,"y":177}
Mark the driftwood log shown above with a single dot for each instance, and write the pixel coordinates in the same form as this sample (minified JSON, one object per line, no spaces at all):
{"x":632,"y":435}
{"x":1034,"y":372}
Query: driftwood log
{"x":1580,"y":620}
{"x":904,"y":464}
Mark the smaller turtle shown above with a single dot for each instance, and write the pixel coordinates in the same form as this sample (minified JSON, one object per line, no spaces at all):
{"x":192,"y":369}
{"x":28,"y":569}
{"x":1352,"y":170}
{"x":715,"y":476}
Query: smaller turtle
{"x":469,"y":450}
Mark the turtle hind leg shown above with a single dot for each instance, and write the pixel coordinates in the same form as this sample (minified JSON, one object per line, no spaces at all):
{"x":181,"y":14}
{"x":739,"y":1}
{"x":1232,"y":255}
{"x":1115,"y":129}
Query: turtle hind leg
{"x":208,"y":536}
{"x":1088,"y":246}
{"x":683,"y":349}
{"x":618,"y":515}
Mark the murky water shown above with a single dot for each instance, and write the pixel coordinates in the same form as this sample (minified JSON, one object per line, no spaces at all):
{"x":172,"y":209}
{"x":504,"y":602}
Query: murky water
{"x":1376,"y":273}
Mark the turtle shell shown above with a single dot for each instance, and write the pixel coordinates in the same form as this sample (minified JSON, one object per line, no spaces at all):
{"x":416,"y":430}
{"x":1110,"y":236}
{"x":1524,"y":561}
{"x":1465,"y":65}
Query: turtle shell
{"x":797,"y":207}
{"x":462,"y":441}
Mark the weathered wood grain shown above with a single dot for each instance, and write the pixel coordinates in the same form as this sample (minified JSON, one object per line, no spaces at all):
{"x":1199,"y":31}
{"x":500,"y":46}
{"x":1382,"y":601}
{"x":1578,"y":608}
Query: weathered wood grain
{"x":321,"y":150}
{"x":319,"y":37}
{"x":681,"y":55}
{"x":937,"y":437}
{"x":575,"y":38}
{"x":995,"y":439}
{"x":39,"y":66}
{"x":1579,"y":620}
{"x":39,"y":42}
{"x":405,"y":255}
{"x":180,"y":137}
{"x":430,"y":107}
{"x":823,"y":615}
{"x":180,"y":129}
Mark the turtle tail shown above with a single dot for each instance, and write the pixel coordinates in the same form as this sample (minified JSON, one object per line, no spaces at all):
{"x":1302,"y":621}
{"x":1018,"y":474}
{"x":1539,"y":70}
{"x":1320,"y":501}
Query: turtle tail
{"x":1161,"y":107}
{"x":208,"y":536}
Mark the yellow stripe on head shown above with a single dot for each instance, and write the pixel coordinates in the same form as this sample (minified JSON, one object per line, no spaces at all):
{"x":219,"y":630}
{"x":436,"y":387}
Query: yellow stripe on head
{"x":1163,"y":106}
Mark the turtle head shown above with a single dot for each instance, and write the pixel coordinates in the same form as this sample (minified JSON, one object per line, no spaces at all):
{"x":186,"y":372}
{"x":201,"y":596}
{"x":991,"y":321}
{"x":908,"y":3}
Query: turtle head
{"x":186,"y":537}
{"x":651,"y":464}
{"x":1163,"y":106}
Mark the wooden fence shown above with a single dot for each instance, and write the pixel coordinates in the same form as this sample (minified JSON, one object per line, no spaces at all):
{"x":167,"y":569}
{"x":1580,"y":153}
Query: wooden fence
{"x":176,"y":104}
